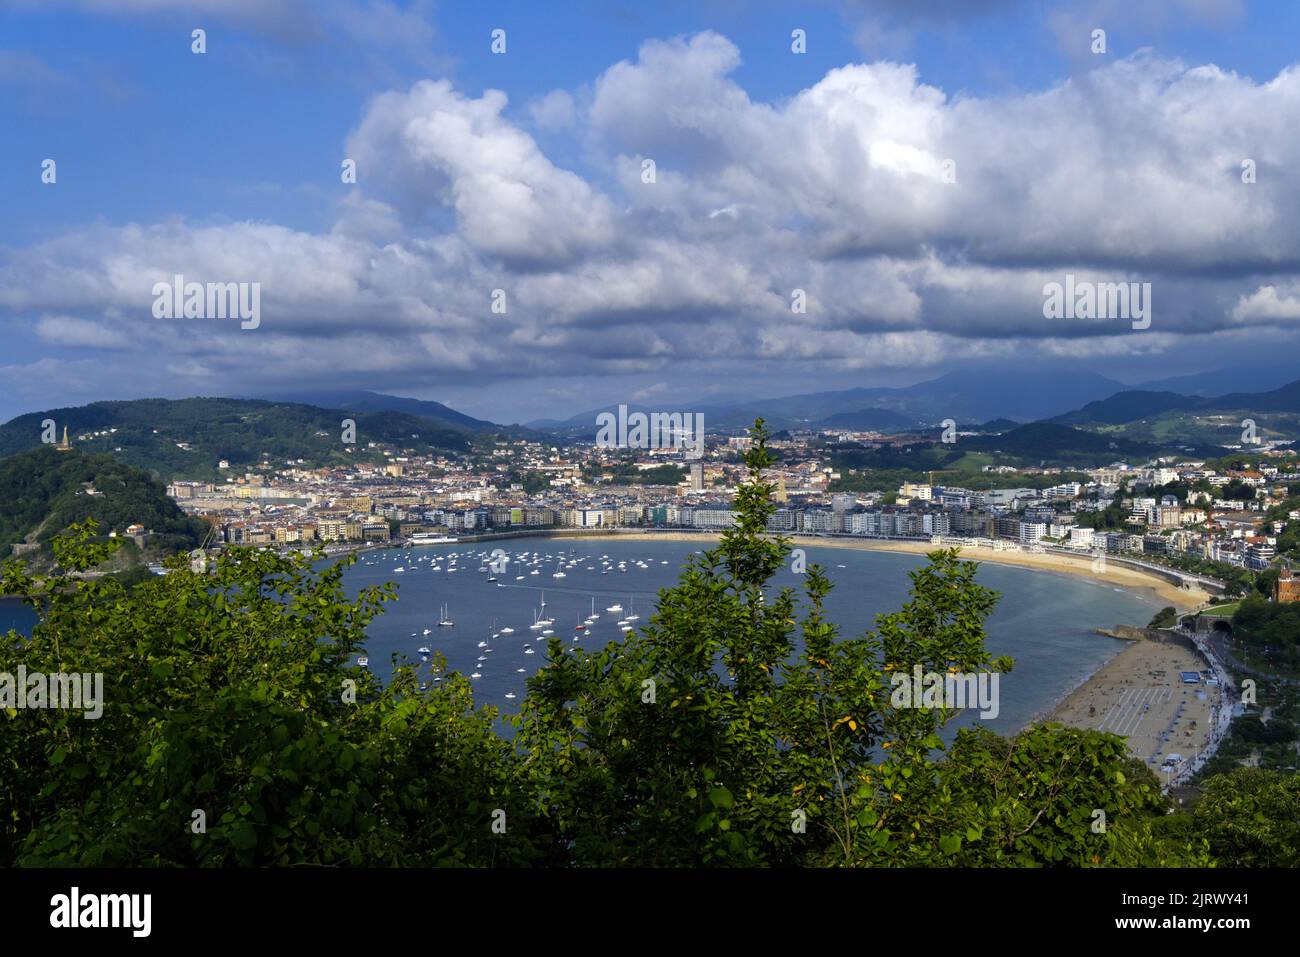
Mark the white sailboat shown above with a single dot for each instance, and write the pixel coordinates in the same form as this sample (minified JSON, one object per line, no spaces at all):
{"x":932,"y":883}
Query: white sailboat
{"x":445,"y":621}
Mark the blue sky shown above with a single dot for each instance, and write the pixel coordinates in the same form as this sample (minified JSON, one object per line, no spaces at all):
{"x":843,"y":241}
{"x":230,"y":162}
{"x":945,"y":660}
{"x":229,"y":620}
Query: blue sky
{"x":159,"y":149}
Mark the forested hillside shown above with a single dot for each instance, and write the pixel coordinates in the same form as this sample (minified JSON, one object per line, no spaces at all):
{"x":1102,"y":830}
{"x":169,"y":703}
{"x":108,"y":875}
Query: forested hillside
{"x":44,"y":491}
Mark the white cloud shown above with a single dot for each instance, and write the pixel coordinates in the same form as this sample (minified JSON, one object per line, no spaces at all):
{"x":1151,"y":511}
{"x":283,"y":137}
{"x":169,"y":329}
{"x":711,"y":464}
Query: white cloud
{"x":71,"y":331}
{"x":1267,"y":304}
{"x":554,"y":111}
{"x":1129,"y":173}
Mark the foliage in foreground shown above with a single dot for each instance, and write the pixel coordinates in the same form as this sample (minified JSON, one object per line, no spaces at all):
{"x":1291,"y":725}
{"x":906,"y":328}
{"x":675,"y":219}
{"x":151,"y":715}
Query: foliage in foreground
{"x":737,"y":728}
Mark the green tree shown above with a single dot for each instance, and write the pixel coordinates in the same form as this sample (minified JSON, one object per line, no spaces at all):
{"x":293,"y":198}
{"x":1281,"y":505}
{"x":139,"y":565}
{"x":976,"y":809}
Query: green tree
{"x":228,"y":693}
{"x":1251,"y":818}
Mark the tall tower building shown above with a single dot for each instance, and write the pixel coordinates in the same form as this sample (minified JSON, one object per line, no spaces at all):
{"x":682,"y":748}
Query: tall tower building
{"x":697,"y":476}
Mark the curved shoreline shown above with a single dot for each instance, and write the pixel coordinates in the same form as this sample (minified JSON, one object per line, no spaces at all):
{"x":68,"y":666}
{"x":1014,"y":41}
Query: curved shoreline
{"x":1182,"y":599}
{"x":1134,"y":692}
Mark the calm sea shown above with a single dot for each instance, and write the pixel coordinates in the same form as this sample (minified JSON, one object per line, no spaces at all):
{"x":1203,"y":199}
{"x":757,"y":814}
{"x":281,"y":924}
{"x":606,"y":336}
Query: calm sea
{"x":1045,"y":620}
{"x":15,"y":615}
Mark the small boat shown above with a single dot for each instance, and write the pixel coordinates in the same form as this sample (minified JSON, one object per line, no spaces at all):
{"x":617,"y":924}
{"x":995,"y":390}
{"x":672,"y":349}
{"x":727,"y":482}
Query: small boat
{"x":363,"y":661}
{"x":482,"y":644}
{"x":528,"y":651}
{"x":424,"y":650}
{"x":519,"y":578}
{"x":507,"y":631}
{"x":445,"y":621}
{"x":559,"y":575}
{"x":476,"y":675}
{"x":520,"y":671}
{"x":400,"y":568}
{"x":548,"y":631}
{"x":428,"y":631}
{"x":615,"y":607}
{"x":510,"y":694}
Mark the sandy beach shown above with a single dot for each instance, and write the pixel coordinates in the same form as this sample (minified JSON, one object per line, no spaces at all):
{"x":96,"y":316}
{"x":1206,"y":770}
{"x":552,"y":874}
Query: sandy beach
{"x":1140,"y":694}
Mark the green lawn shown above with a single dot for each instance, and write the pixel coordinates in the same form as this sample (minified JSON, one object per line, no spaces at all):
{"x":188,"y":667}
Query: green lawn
{"x":1223,"y":611}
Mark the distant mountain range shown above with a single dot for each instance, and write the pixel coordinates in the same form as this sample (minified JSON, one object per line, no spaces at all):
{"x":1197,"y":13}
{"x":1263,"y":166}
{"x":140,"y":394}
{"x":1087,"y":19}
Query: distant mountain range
{"x":1084,"y":412}
{"x":1086,"y":400}
{"x":1023,"y":396}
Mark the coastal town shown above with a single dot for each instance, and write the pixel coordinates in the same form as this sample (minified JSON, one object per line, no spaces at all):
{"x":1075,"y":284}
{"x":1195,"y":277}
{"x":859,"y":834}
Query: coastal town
{"x":524,"y":486}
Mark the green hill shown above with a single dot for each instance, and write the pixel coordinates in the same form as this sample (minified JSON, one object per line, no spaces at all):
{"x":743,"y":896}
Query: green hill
{"x":44,"y":491}
{"x":185,"y":438}
{"x":1191,"y":422}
